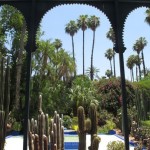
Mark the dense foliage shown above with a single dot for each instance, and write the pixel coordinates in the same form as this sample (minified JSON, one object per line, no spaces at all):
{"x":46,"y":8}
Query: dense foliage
{"x":115,"y":145}
{"x":142,"y":90}
{"x":82,"y":92}
{"x":109,"y":91}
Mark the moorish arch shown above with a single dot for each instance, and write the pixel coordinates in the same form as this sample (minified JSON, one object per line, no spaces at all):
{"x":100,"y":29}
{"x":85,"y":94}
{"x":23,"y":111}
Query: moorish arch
{"x":116,"y":11}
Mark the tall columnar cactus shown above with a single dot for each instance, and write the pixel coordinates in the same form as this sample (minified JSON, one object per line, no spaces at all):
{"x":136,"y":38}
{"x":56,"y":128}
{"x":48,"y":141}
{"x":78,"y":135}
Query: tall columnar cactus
{"x":93,"y":118}
{"x":57,"y":133}
{"x":95,"y":143}
{"x":41,"y":130}
{"x":36,"y":142}
{"x":81,"y":130}
{"x":45,"y":139}
{"x":40,"y":104}
{"x":40,"y":140}
{"x":138,"y":106}
{"x":62,"y":137}
{"x":47,"y":127}
{"x":4,"y":101}
{"x":88,"y":126}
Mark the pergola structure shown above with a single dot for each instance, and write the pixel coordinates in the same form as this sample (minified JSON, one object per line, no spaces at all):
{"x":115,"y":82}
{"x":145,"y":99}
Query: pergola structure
{"x":116,"y":10}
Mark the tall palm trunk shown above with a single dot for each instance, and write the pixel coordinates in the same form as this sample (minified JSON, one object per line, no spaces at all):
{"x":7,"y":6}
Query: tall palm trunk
{"x":73,"y":54}
{"x":136,"y":73}
{"x":19,"y":65}
{"x":92,"y":71}
{"x":57,"y":59}
{"x":45,"y":57}
{"x":132,"y":75}
{"x":139,"y":66}
{"x":114,"y":62}
{"x":110,"y":66}
{"x":143,"y":61}
{"x":83,"y":52}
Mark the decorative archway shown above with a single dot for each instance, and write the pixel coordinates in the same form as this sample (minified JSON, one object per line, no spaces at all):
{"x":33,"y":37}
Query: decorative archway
{"x":116,"y":11}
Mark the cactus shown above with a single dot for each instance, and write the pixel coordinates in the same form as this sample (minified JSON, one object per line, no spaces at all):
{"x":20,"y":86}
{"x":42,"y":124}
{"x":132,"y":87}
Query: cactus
{"x":31,"y":141}
{"x":95,"y":143}
{"x":47,"y":127}
{"x":4,"y":101}
{"x":81,"y":131}
{"x":52,"y":140}
{"x":41,"y":130}
{"x":40,"y":105}
{"x":36,"y":142}
{"x":58,"y":133}
{"x":62,"y":138}
{"x":88,"y":126}
{"x":93,"y":118}
{"x":45,"y":139}
{"x":2,"y":133}
{"x":40,"y":141}
{"x":55,"y":134}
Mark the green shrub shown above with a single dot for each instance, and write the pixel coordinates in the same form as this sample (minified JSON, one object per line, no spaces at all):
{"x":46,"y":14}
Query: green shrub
{"x":17,"y":126}
{"x":67,"y":122}
{"x":75,"y":121}
{"x":115,"y":145}
{"x":103,"y":116}
{"x":145,"y":123}
{"x":110,"y":125}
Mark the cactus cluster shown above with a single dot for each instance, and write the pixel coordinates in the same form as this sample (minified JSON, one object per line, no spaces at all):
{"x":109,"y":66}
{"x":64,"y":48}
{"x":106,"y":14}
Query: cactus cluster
{"x":45,"y":134}
{"x":142,"y":105}
{"x":4,"y":100}
{"x":89,"y":126}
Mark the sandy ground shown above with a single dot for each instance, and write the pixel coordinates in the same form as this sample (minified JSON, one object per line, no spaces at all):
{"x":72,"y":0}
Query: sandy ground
{"x":16,"y":142}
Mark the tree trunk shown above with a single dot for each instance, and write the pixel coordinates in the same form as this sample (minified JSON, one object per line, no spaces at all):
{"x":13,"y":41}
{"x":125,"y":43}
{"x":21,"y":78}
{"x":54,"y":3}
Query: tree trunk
{"x":111,"y":67}
{"x":19,"y":65}
{"x":57,"y":59}
{"x":73,"y":54}
{"x":139,"y":67}
{"x":143,"y":61}
{"x":83,"y":52}
{"x":132,"y":75}
{"x":114,"y":62}
{"x":136,"y":73}
{"x":45,"y":57}
{"x":92,"y":70}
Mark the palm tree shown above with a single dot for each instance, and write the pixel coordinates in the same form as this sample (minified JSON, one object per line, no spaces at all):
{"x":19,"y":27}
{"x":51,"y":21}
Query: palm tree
{"x":141,"y":43}
{"x":130,"y":65}
{"x":137,"y":62}
{"x":108,"y":73}
{"x":147,"y":19}
{"x":95,"y":72}
{"x":57,"y":44}
{"x":72,"y":28}
{"x":109,"y":55}
{"x":47,"y":54}
{"x":138,"y":47}
{"x":135,"y":48}
{"x":66,"y":65}
{"x":111,"y":36}
{"x":82,"y":24}
{"x":93,"y":23}
{"x":47,"y":69}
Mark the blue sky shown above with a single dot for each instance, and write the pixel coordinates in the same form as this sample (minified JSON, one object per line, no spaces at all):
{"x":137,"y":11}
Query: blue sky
{"x":55,"y":20}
